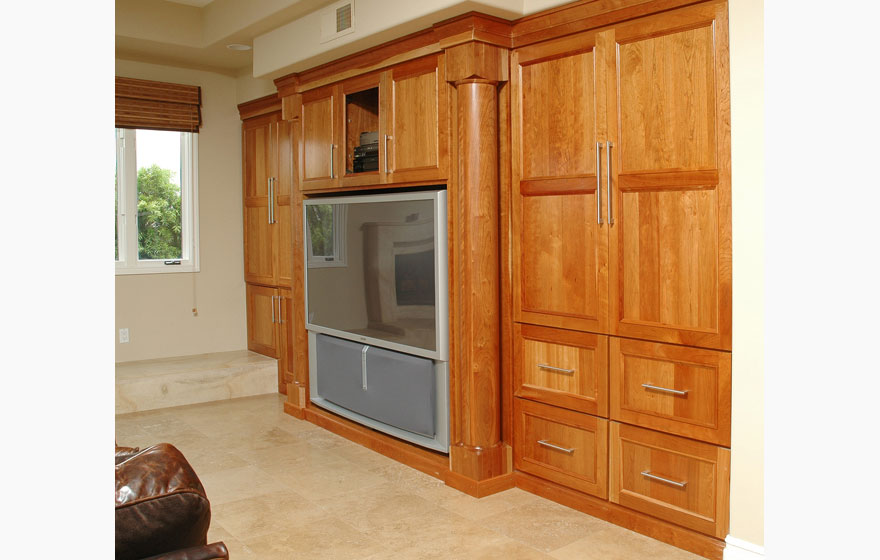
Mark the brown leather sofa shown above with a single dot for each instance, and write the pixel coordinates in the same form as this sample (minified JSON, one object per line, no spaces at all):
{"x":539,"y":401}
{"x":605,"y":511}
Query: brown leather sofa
{"x":162,"y":512}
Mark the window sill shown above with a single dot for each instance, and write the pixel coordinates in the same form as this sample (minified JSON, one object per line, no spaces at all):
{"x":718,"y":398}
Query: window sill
{"x":165,"y":269}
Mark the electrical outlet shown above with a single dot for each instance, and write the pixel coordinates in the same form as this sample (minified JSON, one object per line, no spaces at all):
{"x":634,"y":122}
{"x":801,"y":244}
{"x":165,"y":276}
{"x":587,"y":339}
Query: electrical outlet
{"x":123,"y":336}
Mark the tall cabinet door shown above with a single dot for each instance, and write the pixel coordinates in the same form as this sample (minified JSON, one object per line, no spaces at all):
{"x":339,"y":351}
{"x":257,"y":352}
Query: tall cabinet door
{"x":258,"y":147}
{"x":670,"y":129}
{"x":263,"y":316}
{"x":284,"y":177}
{"x":321,"y":150}
{"x":415,"y":145}
{"x":560,"y":232}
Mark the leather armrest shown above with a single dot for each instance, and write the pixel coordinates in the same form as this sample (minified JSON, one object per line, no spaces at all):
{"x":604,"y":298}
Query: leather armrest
{"x":215,"y":551}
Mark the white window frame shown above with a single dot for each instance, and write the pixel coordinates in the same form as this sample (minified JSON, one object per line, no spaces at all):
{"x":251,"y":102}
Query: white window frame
{"x":126,"y":172}
{"x":339,"y":237}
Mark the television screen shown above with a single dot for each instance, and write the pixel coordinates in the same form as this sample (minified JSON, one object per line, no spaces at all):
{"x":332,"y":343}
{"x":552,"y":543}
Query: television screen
{"x":373,"y":270}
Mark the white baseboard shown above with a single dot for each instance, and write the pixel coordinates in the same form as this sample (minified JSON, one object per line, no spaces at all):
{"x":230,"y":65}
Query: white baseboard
{"x":738,"y":549}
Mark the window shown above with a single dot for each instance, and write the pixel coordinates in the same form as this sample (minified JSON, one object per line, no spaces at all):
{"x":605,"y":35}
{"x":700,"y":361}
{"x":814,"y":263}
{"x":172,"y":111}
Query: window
{"x":326,"y":234}
{"x":156,"y":194}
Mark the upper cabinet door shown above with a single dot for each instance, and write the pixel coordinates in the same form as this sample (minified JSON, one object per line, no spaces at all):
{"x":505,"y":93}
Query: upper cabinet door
{"x":321,"y":151}
{"x":258,"y":156}
{"x":560,"y":234}
{"x":670,"y":130}
{"x":415,"y":146}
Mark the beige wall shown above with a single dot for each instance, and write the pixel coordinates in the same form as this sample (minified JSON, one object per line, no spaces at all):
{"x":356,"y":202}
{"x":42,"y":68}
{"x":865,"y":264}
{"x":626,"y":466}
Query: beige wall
{"x":157,"y":308}
{"x":747,"y":135}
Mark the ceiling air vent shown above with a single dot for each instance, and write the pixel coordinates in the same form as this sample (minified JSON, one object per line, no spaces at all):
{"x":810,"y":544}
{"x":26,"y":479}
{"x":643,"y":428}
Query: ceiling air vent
{"x":337,"y":20}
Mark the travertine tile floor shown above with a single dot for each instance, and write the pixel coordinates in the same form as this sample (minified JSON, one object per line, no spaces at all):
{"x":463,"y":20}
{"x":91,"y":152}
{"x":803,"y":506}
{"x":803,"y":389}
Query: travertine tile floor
{"x":281,"y":488}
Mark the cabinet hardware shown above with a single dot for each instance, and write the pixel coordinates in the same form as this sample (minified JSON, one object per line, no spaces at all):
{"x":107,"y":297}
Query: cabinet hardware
{"x":557,"y":369}
{"x":364,"y":367}
{"x":280,"y":314}
{"x":648,"y":474}
{"x":608,"y":179}
{"x":332,"y":147}
{"x":598,"y":183}
{"x":664,"y":389}
{"x":546,"y":443}
{"x":273,"y":309}
{"x":172,"y":262}
{"x":386,"y":154}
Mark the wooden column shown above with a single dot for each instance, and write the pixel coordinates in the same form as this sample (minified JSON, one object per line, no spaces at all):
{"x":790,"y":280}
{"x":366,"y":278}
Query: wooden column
{"x":479,"y":460}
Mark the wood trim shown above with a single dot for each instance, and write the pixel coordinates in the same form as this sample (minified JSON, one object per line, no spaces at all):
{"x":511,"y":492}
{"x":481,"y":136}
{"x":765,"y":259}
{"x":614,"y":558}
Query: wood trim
{"x":261,"y":106}
{"x":429,"y":462}
{"x":692,"y":541}
{"x":584,"y":184}
{"x":480,"y":488}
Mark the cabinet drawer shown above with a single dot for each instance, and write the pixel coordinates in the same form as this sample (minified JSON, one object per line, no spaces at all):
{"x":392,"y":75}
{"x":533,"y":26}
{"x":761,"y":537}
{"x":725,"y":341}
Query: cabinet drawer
{"x":684,"y":391}
{"x":683,"y":481}
{"x":563,"y":446}
{"x":562,"y":368}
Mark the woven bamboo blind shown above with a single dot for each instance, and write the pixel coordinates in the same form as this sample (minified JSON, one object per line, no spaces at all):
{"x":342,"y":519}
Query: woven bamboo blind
{"x":157,"y":105}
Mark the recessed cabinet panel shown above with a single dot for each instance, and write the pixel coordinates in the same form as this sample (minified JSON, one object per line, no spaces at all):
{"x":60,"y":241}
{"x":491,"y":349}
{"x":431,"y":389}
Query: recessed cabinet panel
{"x":680,"y":480}
{"x":320,"y":147}
{"x":563,"y":446}
{"x":676,"y":389}
{"x":562,"y":368}
{"x":262,"y":318}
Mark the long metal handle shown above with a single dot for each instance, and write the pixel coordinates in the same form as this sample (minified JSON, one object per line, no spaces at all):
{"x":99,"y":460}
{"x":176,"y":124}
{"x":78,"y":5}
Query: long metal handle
{"x":386,"y":154}
{"x":649,"y":474}
{"x":280,"y":311}
{"x":598,"y":183}
{"x":272,"y":200}
{"x":546,"y":443}
{"x":554,"y":368}
{"x":364,"y":367}
{"x":332,"y":147}
{"x":608,"y":182}
{"x":664,"y":389}
{"x":269,"y":198}
{"x":273,"y":309}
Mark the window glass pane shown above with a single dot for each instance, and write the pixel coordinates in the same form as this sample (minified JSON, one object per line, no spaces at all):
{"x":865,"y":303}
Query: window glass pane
{"x":320,"y":218}
{"x":158,"y":198}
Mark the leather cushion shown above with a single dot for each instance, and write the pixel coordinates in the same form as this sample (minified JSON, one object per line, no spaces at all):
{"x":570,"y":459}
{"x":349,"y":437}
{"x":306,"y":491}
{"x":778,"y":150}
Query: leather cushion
{"x":160,"y":504}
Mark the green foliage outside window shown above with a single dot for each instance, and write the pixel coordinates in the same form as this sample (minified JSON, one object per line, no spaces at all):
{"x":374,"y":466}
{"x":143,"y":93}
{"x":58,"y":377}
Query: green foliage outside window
{"x":159,"y":209}
{"x":320,"y":222}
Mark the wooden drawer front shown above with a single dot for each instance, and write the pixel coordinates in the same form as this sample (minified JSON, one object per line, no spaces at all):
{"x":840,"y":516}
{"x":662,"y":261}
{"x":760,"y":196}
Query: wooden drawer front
{"x":697,"y":476}
{"x":574,"y":451}
{"x":562,"y":368}
{"x":687,"y":393}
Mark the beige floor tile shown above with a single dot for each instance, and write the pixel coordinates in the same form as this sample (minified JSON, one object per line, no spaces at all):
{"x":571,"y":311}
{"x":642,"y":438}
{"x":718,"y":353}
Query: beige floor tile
{"x":617,"y":543}
{"x":236,"y":548}
{"x":320,"y":481}
{"x":326,"y":538}
{"x":237,"y":484}
{"x":266,"y":514}
{"x":544,"y":525}
{"x":377,"y":506}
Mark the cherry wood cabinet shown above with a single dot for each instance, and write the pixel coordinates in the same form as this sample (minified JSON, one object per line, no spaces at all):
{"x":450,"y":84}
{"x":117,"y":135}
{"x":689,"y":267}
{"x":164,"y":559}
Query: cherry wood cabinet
{"x":262,"y":319}
{"x":405,"y":106}
{"x":267,"y":171}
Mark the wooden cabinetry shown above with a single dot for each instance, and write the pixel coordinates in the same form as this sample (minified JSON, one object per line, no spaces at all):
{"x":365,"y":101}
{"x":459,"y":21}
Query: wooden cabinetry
{"x":620,"y":268}
{"x":262,"y":319}
{"x":404,"y":106}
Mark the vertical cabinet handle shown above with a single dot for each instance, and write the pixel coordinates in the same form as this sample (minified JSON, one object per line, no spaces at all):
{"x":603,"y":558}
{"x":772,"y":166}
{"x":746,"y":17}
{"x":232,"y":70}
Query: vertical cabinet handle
{"x":598,"y":183}
{"x":386,"y":154}
{"x":608,"y":177}
{"x":273,"y":309}
{"x":280,"y":311}
{"x":364,"y":367}
{"x":269,"y":198}
{"x":332,"y":148}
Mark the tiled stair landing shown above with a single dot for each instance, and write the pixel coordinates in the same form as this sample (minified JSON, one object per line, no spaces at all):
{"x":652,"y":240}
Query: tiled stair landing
{"x":165,"y":382}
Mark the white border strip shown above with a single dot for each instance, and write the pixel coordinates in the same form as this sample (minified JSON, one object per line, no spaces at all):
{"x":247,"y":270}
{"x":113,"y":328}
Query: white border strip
{"x":738,"y":549}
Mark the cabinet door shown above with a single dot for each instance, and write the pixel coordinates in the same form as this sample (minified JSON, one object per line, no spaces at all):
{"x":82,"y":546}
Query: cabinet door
{"x":262,"y":320}
{"x":362,"y":98}
{"x":284,"y":177}
{"x":670,"y":128}
{"x":415,"y":145}
{"x":258,"y":147}
{"x":321,"y":157}
{"x":560,"y":243}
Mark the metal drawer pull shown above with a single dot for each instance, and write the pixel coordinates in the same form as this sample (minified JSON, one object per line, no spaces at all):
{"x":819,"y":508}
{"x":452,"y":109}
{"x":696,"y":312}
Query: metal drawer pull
{"x":556,"y":447}
{"x":558,"y":369}
{"x":664,"y":389}
{"x":648,"y":474}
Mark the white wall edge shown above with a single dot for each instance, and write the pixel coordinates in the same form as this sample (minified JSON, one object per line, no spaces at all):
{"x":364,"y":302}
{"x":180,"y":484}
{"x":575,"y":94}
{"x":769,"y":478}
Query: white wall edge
{"x":738,"y":549}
